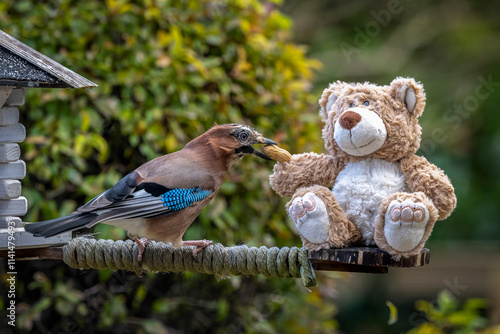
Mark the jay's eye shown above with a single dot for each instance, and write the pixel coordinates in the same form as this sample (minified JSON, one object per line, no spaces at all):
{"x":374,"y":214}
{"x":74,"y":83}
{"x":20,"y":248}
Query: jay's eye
{"x":366,"y":103}
{"x":351,"y":105}
{"x":243,"y":136}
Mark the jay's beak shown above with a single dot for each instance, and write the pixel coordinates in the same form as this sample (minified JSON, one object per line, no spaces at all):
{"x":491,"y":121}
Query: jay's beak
{"x":264,"y":141}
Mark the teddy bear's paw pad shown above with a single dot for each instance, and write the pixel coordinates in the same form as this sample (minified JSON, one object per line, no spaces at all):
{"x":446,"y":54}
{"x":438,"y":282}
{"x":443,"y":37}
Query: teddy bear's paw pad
{"x":300,"y":206}
{"x":407,"y":213}
{"x":405,"y":224}
{"x":310,"y":217}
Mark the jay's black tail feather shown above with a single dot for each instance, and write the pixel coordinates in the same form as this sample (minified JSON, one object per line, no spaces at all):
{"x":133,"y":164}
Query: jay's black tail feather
{"x":53,"y":227}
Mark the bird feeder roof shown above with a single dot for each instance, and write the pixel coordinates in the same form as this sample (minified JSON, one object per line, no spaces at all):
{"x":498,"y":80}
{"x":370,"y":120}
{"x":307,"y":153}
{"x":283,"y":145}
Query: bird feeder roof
{"x":22,"y":66}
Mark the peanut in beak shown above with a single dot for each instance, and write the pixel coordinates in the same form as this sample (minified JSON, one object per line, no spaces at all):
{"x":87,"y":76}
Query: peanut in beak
{"x":276,"y":153}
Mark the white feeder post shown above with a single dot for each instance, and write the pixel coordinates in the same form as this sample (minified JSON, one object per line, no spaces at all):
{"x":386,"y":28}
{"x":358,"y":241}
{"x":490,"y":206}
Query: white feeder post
{"x":22,"y":68}
{"x":11,"y":132}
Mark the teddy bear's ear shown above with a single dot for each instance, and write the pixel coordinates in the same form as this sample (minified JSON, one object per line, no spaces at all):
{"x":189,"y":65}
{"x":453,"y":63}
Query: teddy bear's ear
{"x":331,"y":100}
{"x":328,"y":98}
{"x":410,"y":92}
{"x":326,"y":102}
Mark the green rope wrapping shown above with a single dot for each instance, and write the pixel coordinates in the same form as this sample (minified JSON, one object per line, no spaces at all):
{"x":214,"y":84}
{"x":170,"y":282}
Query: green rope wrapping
{"x":86,"y":253}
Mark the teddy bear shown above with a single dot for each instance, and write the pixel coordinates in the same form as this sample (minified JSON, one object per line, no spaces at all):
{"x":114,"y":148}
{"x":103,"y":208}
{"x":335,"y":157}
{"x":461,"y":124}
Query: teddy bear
{"x":372,"y":188}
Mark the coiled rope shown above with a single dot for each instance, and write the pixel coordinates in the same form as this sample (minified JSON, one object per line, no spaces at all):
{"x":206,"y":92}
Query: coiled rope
{"x":87,"y":253}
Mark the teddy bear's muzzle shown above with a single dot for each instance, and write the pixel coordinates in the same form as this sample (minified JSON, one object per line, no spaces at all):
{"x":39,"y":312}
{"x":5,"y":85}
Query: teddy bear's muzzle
{"x":360,"y":131}
{"x":349,"y":119}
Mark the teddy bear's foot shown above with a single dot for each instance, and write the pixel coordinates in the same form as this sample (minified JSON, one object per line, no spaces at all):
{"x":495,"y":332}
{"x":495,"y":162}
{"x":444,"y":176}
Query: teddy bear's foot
{"x":405,"y":223}
{"x":310,"y":216}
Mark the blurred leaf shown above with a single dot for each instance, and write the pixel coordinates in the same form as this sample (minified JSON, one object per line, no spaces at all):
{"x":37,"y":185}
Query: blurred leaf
{"x":393,"y":313}
{"x":42,"y":305}
{"x":153,"y":326}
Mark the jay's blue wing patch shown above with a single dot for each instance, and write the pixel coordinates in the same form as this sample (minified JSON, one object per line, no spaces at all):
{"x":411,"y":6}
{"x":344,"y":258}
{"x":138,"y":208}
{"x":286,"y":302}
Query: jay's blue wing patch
{"x":178,"y":199}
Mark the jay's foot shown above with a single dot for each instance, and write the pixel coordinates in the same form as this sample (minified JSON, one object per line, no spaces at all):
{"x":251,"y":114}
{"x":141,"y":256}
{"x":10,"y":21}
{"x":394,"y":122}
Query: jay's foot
{"x":141,"y":246}
{"x":310,"y":216}
{"x":200,"y":244}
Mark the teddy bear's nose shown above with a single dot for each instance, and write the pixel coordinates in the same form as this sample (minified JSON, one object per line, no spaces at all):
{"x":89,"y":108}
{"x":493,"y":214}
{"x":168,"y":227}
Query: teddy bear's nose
{"x":349,"y":119}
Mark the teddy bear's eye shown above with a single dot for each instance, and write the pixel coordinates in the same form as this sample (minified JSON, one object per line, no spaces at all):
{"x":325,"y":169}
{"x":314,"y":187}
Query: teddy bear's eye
{"x":351,"y":105}
{"x":366,"y":103}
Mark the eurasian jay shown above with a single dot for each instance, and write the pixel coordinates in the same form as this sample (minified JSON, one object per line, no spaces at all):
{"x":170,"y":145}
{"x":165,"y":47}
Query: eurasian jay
{"x":161,"y":198}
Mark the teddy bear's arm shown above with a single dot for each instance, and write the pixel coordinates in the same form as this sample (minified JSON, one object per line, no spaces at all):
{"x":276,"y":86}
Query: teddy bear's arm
{"x":423,"y":176}
{"x":304,"y":170}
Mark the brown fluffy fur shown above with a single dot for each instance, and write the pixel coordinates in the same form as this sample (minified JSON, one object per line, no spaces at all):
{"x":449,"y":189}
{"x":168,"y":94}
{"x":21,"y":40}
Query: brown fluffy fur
{"x":308,"y":171}
{"x":425,"y":177}
{"x":291,"y":175}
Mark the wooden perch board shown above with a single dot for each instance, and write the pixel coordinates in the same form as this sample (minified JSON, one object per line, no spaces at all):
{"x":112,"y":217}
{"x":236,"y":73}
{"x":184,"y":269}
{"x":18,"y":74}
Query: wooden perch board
{"x":363,"y":259}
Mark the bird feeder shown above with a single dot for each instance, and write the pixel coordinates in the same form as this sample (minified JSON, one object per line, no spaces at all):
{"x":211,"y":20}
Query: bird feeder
{"x":23,"y":68}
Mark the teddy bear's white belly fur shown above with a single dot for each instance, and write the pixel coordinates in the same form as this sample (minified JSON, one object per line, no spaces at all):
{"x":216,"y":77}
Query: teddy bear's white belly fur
{"x":360,"y":188}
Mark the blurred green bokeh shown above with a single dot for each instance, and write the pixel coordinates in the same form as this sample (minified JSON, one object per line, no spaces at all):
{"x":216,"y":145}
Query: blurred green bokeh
{"x":168,"y":70}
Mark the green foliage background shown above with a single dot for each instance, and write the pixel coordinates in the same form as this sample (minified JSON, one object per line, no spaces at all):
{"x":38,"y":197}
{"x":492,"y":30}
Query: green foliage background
{"x":169,"y":70}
